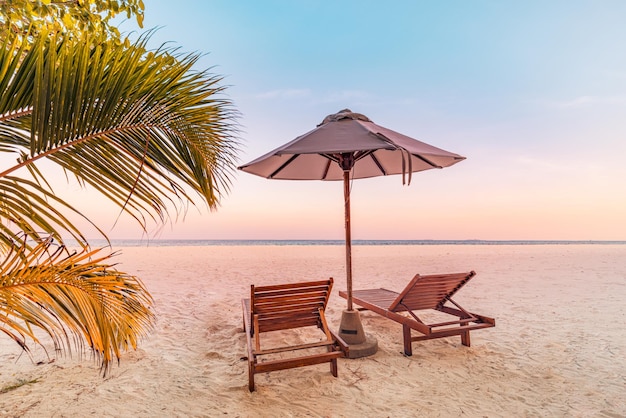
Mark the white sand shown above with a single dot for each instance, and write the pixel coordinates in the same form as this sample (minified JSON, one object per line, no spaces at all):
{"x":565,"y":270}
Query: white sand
{"x":558,"y":348}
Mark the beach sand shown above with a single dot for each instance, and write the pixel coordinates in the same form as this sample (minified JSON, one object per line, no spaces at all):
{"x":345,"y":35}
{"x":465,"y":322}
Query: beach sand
{"x":558,"y":348}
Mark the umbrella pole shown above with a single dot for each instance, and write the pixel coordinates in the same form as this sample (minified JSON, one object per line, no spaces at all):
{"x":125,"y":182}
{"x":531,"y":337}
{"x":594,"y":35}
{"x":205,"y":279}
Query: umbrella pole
{"x":346,"y":196}
{"x":351,"y":329}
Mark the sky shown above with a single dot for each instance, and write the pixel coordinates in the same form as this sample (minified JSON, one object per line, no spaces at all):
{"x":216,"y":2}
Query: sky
{"x":533,"y":93}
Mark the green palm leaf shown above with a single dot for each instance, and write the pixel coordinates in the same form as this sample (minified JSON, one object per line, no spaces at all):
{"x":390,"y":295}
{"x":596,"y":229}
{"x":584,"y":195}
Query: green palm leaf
{"x":32,"y":210}
{"x":143,"y":128}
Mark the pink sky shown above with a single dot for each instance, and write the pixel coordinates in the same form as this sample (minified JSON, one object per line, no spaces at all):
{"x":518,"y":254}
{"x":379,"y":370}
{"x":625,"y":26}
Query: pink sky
{"x":532,"y":93}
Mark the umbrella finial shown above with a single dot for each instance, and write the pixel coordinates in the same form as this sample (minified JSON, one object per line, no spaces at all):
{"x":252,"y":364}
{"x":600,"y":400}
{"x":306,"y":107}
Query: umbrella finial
{"x":344,"y":114}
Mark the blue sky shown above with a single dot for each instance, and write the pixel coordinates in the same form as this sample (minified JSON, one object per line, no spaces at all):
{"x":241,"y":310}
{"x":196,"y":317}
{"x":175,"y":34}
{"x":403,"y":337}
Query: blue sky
{"x":533,"y":93}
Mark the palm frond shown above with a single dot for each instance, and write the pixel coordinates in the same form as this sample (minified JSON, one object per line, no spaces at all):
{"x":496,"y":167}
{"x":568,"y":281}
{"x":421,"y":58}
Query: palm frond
{"x":17,"y":78}
{"x":30,"y":210}
{"x":72,"y":294}
{"x":143,"y":128}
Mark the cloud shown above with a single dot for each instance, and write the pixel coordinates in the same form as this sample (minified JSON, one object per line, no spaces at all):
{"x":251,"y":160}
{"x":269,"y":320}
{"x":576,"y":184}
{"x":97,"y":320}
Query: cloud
{"x":346,"y":95}
{"x":354,"y":97}
{"x":284,"y":94}
{"x":361,"y":97}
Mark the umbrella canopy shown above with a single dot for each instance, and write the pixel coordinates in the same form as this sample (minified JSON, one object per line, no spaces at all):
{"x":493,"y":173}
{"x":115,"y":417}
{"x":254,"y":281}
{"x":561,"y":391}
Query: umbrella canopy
{"x":348,"y":145}
{"x":349,"y":141}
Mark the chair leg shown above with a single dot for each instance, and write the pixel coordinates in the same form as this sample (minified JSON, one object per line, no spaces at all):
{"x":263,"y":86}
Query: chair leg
{"x":333,"y":367}
{"x":465,"y":338}
{"x":251,"y":376}
{"x":406,"y":333}
{"x":333,"y":362}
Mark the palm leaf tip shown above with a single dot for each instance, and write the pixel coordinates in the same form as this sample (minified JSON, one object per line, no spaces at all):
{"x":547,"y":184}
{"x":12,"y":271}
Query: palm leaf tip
{"x":77,"y":294}
{"x":138,"y":126}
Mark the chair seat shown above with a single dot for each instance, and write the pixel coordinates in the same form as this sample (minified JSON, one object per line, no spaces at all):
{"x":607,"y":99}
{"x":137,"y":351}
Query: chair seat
{"x":429,"y":292}
{"x":284,"y":307}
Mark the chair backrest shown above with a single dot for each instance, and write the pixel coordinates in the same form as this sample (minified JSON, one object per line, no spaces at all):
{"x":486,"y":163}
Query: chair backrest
{"x":288,"y":306}
{"x":429,"y":292}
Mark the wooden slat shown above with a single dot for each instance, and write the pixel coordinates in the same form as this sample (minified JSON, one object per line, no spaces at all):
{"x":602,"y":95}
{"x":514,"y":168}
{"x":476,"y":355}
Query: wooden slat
{"x":290,"y":305}
{"x":417,"y":304}
{"x":269,"y":307}
{"x":449,"y":323}
{"x":424,"y":293}
{"x":248,"y":330}
{"x":309,"y":294}
{"x":273,"y":365}
{"x":449,"y":332}
{"x":286,"y":318}
{"x":267,"y":326}
{"x":295,"y":313}
{"x":303,"y":307}
{"x":402,"y":294}
{"x":300,"y":285}
{"x":380,"y":297}
{"x":294,"y":347}
{"x":289,"y":314}
{"x":287,"y":306}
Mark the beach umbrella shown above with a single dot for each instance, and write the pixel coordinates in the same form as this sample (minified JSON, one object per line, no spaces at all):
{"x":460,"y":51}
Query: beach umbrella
{"x":345,"y":146}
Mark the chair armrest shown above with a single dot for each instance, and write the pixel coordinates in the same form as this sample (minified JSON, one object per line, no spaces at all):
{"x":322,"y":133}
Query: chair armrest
{"x":341,"y":343}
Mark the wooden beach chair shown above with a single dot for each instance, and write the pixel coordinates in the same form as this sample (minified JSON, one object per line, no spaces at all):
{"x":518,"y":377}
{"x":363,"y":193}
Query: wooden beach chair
{"x":424,"y":293}
{"x":283,"y":307}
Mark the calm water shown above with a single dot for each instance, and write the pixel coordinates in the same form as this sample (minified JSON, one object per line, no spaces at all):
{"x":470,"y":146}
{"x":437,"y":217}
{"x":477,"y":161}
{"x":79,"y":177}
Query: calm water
{"x":182,"y":243}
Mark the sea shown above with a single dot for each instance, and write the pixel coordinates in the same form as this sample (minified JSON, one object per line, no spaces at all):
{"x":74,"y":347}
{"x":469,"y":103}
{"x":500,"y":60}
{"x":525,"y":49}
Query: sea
{"x":254,"y":242}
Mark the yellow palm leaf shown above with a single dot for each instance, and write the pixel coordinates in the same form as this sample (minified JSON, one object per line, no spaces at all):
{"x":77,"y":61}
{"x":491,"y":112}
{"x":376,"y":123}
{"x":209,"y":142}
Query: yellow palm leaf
{"x":72,"y":293}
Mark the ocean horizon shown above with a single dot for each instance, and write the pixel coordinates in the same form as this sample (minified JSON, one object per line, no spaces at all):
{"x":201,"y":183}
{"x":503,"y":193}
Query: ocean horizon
{"x":356,"y":242}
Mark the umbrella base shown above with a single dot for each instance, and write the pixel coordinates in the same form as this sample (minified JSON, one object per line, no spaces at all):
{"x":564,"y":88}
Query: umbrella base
{"x":351,"y":331}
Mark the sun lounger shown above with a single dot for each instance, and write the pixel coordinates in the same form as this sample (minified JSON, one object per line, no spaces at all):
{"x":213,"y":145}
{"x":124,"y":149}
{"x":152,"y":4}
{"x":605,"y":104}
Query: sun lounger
{"x":424,"y":293}
{"x":283,"y":307}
